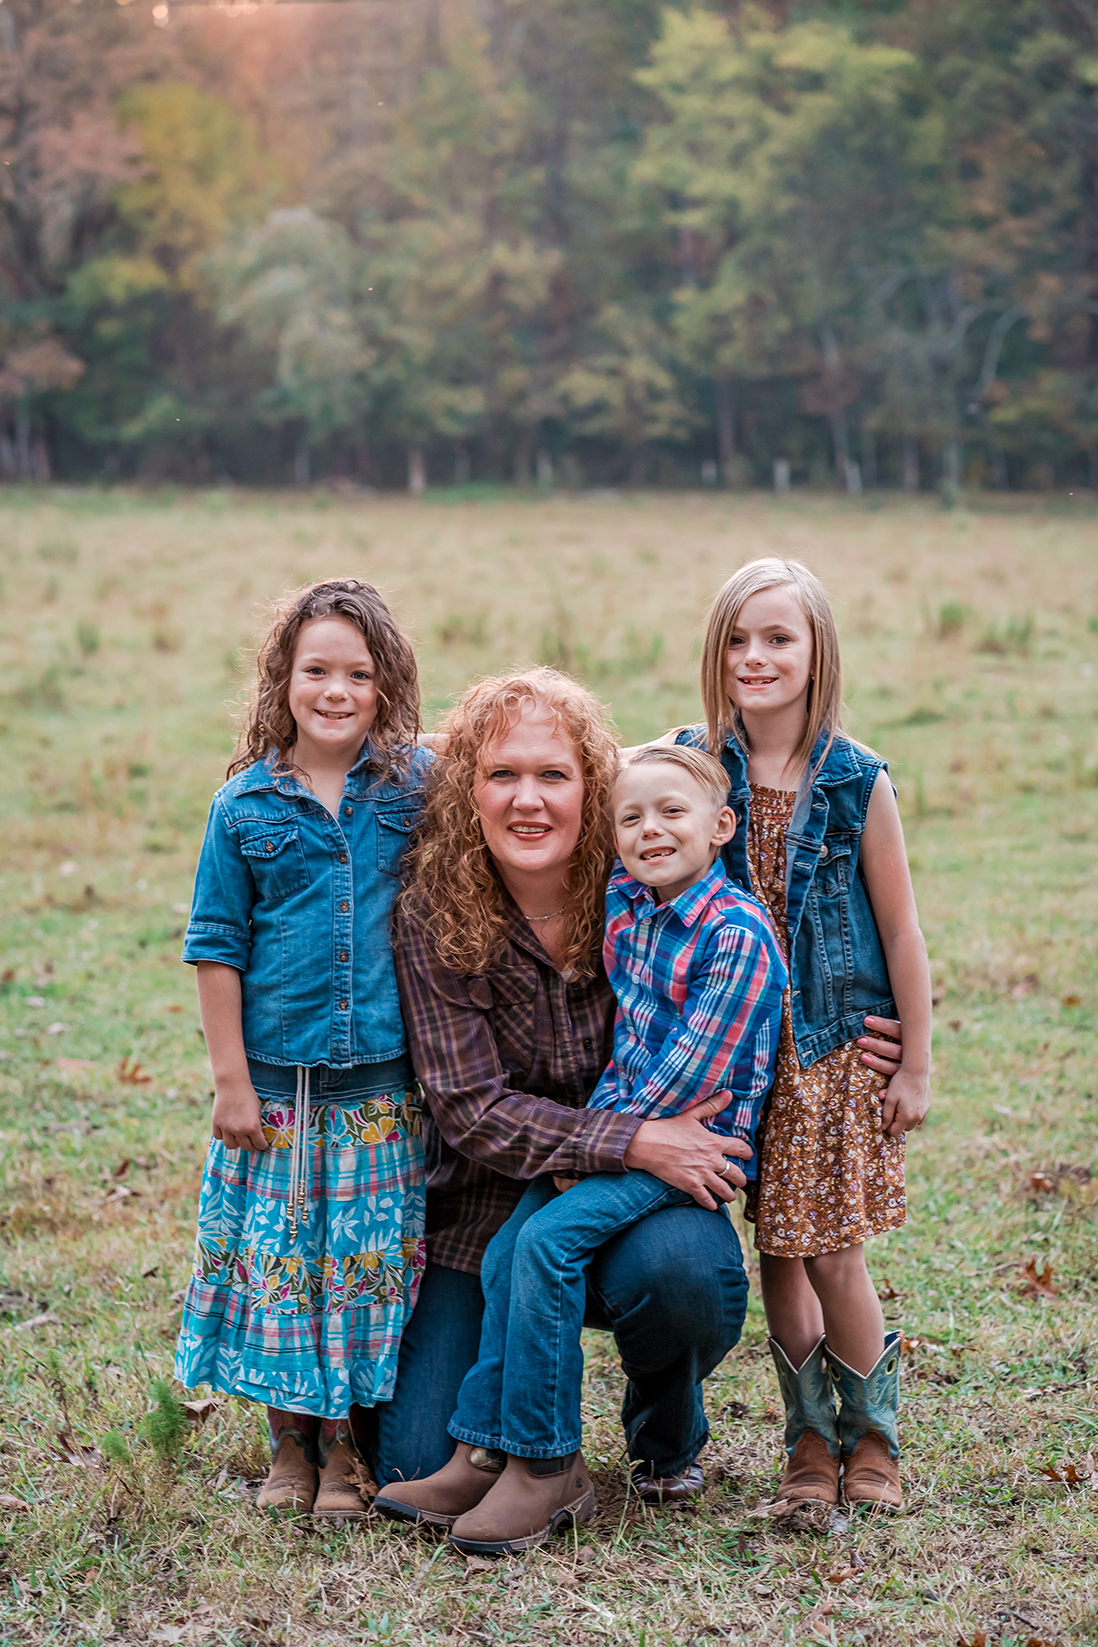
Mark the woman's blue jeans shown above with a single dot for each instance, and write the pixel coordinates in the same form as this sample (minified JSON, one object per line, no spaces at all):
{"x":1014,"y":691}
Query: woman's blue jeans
{"x":672,"y":1289}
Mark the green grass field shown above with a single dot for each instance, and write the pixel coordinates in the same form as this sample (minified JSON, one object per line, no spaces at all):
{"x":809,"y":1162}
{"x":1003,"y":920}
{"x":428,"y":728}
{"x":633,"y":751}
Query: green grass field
{"x":971,"y":650}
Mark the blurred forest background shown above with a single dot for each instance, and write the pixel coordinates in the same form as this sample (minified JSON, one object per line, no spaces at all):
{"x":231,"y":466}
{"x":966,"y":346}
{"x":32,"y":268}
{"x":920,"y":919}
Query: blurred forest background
{"x":560,"y":242}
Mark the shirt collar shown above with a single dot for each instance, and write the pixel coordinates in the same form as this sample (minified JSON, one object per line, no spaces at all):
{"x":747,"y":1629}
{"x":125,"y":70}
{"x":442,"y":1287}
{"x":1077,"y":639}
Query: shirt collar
{"x":689,"y":905}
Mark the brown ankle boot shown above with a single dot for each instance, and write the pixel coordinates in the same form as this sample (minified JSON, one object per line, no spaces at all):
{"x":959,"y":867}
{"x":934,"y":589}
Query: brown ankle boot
{"x":531,"y":1499}
{"x":345,"y":1485}
{"x":872,"y":1476}
{"x":292,"y":1479}
{"x":439,"y":1499}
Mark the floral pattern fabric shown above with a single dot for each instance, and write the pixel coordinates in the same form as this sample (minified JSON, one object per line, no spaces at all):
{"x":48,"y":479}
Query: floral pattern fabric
{"x":829,"y":1176}
{"x":310,"y":1325}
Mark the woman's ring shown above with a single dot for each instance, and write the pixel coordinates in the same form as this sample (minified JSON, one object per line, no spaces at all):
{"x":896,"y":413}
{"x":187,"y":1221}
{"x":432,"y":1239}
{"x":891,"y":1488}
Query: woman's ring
{"x":724,"y":1170}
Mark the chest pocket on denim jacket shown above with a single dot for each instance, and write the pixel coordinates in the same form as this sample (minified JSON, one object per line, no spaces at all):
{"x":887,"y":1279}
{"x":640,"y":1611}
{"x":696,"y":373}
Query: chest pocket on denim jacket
{"x":833,"y":871}
{"x":276,"y":859}
{"x":394,"y":831}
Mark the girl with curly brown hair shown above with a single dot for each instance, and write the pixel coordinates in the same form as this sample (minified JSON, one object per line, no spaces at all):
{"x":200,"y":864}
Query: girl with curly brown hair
{"x":310,"y":1226}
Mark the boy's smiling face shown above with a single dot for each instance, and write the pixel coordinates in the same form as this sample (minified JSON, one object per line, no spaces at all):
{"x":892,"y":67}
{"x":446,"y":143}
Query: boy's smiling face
{"x":668,"y":826}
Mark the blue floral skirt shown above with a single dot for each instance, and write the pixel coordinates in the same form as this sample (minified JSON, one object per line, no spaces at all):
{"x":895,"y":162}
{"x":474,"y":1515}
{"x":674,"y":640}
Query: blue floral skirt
{"x":303,"y":1307}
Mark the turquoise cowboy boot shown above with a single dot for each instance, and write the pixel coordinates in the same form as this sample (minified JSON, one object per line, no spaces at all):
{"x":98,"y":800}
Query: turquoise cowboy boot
{"x":811,"y":1435}
{"x":867,"y":1428}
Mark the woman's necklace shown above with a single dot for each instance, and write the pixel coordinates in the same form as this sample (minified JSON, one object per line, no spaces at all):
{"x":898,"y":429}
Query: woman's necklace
{"x":551,"y":917}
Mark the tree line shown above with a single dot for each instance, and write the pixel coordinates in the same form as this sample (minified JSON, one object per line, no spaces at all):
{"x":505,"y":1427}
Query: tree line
{"x":560,"y":242}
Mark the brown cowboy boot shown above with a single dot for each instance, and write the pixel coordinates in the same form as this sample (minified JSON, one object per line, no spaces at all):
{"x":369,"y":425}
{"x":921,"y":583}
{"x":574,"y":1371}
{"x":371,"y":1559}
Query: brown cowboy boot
{"x":811,"y":1436}
{"x":669,"y":1489}
{"x":346,"y":1486}
{"x":292,"y":1479}
{"x":439,"y":1499}
{"x":532,"y":1498}
{"x":868,"y":1429}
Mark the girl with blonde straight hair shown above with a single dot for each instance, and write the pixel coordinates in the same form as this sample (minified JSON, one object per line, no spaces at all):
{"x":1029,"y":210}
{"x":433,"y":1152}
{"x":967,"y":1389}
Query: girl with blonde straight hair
{"x":819,"y":841}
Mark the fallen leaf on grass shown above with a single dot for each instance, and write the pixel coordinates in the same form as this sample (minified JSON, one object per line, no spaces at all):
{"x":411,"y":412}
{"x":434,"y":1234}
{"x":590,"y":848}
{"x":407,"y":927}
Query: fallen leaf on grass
{"x":122,"y":1192}
{"x":8,"y":1501}
{"x":146,"y":1275}
{"x":1028,"y":986}
{"x":908,"y":1345}
{"x":777,"y":1510}
{"x":132,"y":1074}
{"x":8,"y":975}
{"x":198,"y":1411}
{"x":364,"y":1481}
{"x":56,"y":1029}
{"x":73,"y":1066}
{"x":46,"y":1319}
{"x":1073,"y":1477}
{"x":74,"y":1452}
{"x":122,"y":1168}
{"x":978,"y":1640}
{"x":1071,"y":1000}
{"x":1041,"y":1184}
{"x":1037,"y":1286}
{"x":888,"y":1292}
{"x":173,"y":1009}
{"x":476,"y":1564}
{"x":854,"y":1569}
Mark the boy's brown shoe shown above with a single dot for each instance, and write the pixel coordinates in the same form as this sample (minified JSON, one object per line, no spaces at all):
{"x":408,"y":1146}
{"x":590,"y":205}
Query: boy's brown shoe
{"x":532,"y":1499}
{"x":439,"y":1499}
{"x":292,"y":1481}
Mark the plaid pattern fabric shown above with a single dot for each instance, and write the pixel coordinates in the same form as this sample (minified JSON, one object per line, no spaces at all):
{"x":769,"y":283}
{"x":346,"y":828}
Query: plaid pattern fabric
{"x":311,"y":1325}
{"x":699,"y":983}
{"x":506,"y":1062}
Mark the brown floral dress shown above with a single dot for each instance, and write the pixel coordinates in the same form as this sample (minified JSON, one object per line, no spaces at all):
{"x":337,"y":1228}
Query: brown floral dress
{"x":828,"y":1175}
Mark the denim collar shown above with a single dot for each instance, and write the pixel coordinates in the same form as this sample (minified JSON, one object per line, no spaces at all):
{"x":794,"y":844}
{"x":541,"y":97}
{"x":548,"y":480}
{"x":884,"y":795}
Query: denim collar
{"x":361,"y":778}
{"x":688,"y":906}
{"x":838,"y":767}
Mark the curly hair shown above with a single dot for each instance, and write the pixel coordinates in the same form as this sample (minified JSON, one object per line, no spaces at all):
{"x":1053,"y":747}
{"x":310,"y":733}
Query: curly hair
{"x":454,"y":889}
{"x":267,"y":722}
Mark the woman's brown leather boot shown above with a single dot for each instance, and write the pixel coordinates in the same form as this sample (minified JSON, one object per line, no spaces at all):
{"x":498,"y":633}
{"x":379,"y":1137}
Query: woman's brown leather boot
{"x":346,"y":1486}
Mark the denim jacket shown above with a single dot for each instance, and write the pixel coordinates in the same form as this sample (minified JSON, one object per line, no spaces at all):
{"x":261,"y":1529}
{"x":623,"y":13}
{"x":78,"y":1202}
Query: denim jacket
{"x":836,"y":963}
{"x":301,"y":903}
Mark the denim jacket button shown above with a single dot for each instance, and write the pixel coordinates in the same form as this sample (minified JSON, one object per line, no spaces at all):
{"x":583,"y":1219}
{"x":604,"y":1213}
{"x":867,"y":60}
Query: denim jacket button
{"x":823,"y":852}
{"x":343,"y":857}
{"x":269,"y":846}
{"x":343,"y":955}
{"x":347,"y":811}
{"x":342,"y":1006}
{"x":344,"y":907}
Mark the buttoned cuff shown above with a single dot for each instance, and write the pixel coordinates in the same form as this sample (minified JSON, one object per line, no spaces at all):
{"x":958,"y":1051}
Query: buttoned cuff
{"x":212,"y":941}
{"x":602,"y":1144}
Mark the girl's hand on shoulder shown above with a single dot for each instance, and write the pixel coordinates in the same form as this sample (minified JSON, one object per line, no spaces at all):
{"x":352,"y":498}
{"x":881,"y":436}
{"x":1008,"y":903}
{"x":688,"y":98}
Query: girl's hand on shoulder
{"x":906,"y":1102}
{"x":236,"y":1118}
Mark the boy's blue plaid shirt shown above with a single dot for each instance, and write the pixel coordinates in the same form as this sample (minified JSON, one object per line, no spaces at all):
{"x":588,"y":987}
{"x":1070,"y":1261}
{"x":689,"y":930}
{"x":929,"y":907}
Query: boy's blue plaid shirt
{"x":699,"y":984}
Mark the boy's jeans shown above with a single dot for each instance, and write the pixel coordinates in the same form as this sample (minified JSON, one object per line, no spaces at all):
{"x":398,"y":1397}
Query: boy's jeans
{"x":523,"y":1394}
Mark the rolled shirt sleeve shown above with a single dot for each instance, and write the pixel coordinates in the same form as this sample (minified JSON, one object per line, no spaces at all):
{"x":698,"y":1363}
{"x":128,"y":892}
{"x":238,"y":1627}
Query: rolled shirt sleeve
{"x":220,"y":926}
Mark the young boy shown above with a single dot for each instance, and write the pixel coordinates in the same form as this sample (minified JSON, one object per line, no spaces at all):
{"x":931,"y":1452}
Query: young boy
{"x":699,"y":979}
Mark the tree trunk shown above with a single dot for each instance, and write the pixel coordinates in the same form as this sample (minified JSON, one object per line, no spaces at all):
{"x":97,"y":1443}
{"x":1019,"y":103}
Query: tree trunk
{"x":951,"y":463}
{"x":911,"y":464}
{"x":462,"y":466}
{"x":545,"y":469}
{"x":781,"y":475}
{"x":638,"y":468}
{"x":869,"y":459}
{"x":852,"y":475}
{"x":40,"y":458}
{"x":23,"y":462}
{"x":302,"y":463}
{"x":726,"y":429}
{"x":840,"y":436}
{"x":417,"y":471}
{"x":524,"y":454}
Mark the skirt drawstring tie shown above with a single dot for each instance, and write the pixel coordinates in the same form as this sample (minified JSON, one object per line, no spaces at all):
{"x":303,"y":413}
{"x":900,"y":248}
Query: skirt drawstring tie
{"x":297,"y":1206}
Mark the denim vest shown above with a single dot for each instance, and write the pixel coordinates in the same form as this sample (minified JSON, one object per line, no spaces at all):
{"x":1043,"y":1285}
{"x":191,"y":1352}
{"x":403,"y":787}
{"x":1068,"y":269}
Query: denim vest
{"x":836,"y":963}
{"x":300,"y":903}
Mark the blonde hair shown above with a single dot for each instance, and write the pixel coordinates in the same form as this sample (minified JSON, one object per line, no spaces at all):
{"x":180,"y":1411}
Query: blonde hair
{"x":706,"y":770}
{"x":454,"y":888}
{"x":824,"y":707}
{"x":267,"y":722}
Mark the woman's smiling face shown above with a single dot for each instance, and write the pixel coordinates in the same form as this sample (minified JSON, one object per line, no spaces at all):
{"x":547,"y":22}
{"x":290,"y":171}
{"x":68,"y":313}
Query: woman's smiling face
{"x":529,"y":793}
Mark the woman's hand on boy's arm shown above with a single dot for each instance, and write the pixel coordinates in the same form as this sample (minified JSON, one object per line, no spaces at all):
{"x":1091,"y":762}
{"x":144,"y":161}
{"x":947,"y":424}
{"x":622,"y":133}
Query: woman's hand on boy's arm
{"x":681,"y":1151}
